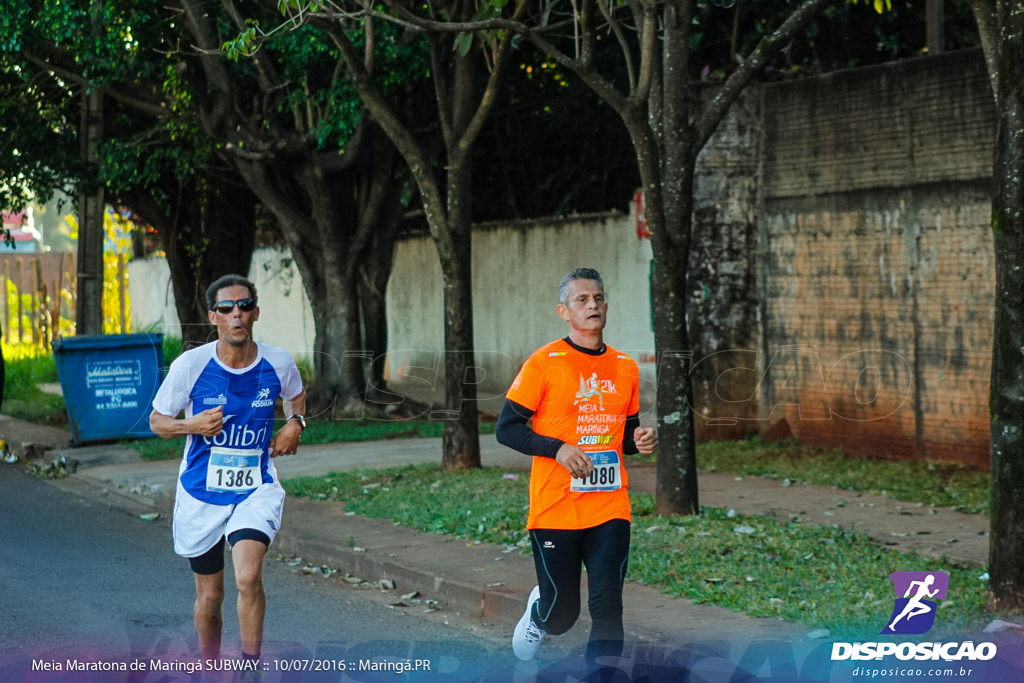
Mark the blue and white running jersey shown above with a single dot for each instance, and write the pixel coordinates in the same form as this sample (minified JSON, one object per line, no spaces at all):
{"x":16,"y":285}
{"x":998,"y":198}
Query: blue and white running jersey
{"x":225,"y":469}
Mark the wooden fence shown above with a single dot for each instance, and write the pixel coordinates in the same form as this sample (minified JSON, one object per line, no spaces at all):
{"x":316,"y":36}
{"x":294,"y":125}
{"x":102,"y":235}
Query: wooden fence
{"x":39,"y":296}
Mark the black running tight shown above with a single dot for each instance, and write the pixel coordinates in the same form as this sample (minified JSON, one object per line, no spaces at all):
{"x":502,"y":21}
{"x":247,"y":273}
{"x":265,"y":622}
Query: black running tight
{"x":558,"y":554}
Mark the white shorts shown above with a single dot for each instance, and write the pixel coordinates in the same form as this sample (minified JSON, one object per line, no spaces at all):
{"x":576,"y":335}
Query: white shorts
{"x":198,"y":526}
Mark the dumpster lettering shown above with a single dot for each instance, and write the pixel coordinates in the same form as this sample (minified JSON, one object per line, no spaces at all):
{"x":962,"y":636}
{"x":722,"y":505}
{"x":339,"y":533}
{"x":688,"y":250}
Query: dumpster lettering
{"x":117,"y":391}
{"x":105,"y":373}
{"x":112,"y":381}
{"x":115,"y":398}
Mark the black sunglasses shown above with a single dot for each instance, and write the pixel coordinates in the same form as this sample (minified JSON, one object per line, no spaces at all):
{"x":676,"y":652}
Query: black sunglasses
{"x":226,"y":306}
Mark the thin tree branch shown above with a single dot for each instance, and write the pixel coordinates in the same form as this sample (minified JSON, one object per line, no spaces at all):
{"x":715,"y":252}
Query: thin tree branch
{"x":988,"y":31}
{"x":267,"y":74}
{"x":400,"y":135}
{"x":627,"y":55}
{"x":767,"y":48}
{"x":441,"y":90}
{"x":490,"y":95}
{"x":219,"y":85}
{"x":153,"y":108}
{"x":648,"y":54}
{"x":334,"y":162}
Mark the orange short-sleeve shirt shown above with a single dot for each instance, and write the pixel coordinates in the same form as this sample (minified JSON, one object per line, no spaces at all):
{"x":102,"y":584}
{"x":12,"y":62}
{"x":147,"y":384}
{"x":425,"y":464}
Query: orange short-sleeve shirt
{"x":581,"y":399}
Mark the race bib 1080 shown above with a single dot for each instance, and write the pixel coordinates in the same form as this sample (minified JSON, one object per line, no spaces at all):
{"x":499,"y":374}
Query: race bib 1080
{"x":233,"y":470}
{"x":606,"y":476}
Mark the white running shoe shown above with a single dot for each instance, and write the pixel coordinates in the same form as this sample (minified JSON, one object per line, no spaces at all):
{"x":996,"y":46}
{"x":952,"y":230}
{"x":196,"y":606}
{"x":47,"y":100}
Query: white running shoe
{"x":527,"y":637}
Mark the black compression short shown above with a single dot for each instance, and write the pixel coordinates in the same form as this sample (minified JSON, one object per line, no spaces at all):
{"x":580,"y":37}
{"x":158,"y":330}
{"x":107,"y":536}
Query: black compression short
{"x":212,"y":561}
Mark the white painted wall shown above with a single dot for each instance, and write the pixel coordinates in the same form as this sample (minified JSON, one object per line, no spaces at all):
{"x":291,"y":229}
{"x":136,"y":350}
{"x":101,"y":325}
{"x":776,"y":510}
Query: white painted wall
{"x":286,"y":319}
{"x":516,"y":271}
{"x":152,"y":297}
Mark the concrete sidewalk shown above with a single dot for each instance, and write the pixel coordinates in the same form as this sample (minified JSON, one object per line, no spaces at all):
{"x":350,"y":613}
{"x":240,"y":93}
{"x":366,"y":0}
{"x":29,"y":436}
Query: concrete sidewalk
{"x":483,"y":580}
{"x":930,"y":531}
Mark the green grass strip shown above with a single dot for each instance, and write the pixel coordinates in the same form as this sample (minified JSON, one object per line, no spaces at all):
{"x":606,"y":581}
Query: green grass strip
{"x":953,"y":485}
{"x":822,"y":577}
{"x":26,"y":367}
{"x":319,"y":432}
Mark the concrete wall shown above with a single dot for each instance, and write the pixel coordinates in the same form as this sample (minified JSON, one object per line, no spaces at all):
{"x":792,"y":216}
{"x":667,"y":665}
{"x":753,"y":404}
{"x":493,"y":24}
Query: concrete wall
{"x":842,"y":271}
{"x":516,"y":271}
{"x":723,"y":305}
{"x":286,"y":319}
{"x":876,"y":257}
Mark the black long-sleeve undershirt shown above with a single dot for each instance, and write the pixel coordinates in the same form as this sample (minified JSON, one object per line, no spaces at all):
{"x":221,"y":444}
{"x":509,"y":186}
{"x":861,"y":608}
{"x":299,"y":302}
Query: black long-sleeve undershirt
{"x":513,"y":430}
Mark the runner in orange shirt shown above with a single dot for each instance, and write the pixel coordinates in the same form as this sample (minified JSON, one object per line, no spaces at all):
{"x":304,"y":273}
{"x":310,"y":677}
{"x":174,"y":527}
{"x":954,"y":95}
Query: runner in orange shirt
{"x":581,"y":398}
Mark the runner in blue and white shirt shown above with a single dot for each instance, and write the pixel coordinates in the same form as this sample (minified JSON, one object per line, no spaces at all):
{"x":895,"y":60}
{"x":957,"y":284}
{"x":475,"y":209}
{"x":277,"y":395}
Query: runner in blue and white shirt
{"x":227,"y":483}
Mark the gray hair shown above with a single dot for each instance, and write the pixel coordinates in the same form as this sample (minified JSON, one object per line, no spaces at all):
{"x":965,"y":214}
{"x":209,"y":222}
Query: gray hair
{"x":227,"y":281}
{"x":572,"y":276}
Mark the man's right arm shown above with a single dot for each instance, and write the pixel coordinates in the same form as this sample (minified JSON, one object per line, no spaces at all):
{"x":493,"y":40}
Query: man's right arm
{"x":207,"y":423}
{"x":513,"y":430}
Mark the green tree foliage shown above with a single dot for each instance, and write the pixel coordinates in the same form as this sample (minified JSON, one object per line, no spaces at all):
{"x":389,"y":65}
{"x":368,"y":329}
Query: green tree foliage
{"x":840,"y":37}
{"x":153,"y":158}
{"x":38,"y":148}
{"x":519,"y":161}
{"x":287,"y":118}
{"x":463,"y":97}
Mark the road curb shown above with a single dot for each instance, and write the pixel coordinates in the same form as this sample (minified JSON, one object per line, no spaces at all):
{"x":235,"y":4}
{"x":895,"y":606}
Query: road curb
{"x":501,"y":604}
{"x":475,"y":580}
{"x":30,"y":441}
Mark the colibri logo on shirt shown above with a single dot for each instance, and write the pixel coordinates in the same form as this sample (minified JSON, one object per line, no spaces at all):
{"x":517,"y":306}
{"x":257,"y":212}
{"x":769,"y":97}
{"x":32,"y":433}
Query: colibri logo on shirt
{"x":263,"y":399}
{"x":221,"y":400}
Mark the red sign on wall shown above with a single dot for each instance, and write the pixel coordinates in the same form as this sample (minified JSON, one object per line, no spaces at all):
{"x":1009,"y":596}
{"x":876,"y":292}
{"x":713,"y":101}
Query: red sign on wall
{"x":642,"y":231}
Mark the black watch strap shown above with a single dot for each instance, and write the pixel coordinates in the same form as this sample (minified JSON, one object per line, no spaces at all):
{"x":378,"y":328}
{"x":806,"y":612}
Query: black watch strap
{"x":301,"y":420}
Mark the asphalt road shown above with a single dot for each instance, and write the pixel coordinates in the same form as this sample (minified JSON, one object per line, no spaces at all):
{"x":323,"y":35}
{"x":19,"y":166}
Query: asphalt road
{"x":83,"y":580}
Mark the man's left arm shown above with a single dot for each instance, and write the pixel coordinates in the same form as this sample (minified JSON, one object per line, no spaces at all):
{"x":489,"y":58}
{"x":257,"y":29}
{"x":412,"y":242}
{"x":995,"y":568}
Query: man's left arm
{"x":637,"y":439}
{"x":286,"y":441}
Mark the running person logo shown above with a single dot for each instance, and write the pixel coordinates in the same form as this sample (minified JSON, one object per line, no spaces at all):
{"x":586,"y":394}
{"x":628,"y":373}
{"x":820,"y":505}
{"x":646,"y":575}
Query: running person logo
{"x":263,"y":399}
{"x":917,"y":594}
{"x":593,"y":388}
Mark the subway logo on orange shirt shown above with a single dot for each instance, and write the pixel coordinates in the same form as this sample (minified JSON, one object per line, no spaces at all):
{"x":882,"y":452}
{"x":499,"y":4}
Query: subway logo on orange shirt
{"x":595,"y":439}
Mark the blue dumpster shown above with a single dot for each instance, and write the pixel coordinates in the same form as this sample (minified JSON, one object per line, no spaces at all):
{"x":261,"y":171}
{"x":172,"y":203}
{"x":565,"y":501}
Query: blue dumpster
{"x":109,"y":383}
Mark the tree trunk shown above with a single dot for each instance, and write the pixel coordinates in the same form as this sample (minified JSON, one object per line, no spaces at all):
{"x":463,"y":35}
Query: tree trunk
{"x":339,"y":382}
{"x":207,"y":229}
{"x":676,"y":489}
{"x":669,"y":106}
{"x":317,"y":214}
{"x":91,"y":211}
{"x":341,"y":226}
{"x":373,"y":276}
{"x":1006,"y":400}
{"x":461,"y":439}
{"x":461,"y":112}
{"x":667,"y":143}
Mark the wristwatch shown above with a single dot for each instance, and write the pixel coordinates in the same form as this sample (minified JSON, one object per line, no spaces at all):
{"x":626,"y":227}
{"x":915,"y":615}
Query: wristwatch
{"x":301,"y":420}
